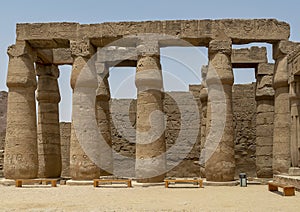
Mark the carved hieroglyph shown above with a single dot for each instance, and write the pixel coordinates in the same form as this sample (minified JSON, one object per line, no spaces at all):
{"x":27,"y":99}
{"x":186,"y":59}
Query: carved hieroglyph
{"x":21,"y":157}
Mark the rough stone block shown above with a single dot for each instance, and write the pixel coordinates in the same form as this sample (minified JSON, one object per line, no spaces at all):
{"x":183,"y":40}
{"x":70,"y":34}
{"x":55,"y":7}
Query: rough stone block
{"x":265,"y":69}
{"x":253,"y":55}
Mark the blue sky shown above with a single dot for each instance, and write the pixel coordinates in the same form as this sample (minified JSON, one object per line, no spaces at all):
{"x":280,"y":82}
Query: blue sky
{"x":181,"y":66}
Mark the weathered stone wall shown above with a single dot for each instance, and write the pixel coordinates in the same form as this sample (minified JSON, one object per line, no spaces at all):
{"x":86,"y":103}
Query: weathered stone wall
{"x":123,"y":124}
{"x":65,"y":135}
{"x":244,"y":115}
{"x":182,"y":133}
{"x":3,"y":109}
{"x":123,"y":112}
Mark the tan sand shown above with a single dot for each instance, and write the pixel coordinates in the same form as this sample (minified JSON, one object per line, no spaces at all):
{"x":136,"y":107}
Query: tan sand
{"x":88,"y":198}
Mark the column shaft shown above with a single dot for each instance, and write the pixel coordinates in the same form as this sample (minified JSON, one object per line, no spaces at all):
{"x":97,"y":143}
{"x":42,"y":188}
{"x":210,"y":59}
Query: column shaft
{"x":281,"y":133}
{"x":21,"y":158}
{"x":203,"y":99}
{"x":220,"y":165}
{"x":150,"y":139}
{"x":103,"y":118}
{"x":81,"y":166}
{"x":295,"y":124}
{"x":264,"y":120}
{"x":48,"y":96}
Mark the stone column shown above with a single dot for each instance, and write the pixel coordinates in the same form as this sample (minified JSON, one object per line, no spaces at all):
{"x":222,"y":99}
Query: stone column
{"x":81,"y":166}
{"x":220,"y":165}
{"x":48,"y":133}
{"x":264,"y":120}
{"x":150,"y":139}
{"x":295,"y":125}
{"x":281,"y":133}
{"x":203,"y":99}
{"x":21,"y":156}
{"x":103,"y":118}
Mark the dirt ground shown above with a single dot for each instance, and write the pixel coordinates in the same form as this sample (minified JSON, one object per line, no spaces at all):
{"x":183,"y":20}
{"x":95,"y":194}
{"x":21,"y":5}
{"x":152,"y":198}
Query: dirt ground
{"x":157,"y":198}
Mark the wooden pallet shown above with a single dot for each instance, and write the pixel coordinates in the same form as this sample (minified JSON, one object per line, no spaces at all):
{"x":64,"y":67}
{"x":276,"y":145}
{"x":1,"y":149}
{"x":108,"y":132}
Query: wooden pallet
{"x":99,"y":181}
{"x":194,"y":181}
{"x":287,"y":189}
{"x":19,"y":182}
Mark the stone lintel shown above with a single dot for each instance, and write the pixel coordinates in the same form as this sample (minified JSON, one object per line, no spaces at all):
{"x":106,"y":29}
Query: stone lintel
{"x":47,"y":35}
{"x":245,"y":57}
{"x":127,"y":56}
{"x":115,"y":54}
{"x":199,"y":32}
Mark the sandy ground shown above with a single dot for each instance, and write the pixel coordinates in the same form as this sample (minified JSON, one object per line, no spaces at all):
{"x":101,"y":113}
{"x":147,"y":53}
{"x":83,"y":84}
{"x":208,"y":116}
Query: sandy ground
{"x":158,"y":198}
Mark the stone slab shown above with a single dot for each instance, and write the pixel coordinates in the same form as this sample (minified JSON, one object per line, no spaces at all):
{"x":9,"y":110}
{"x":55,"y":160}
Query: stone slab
{"x":248,"y":57}
{"x":229,"y":183}
{"x":79,"y":182}
{"x":288,"y":180}
{"x":197,"y":32}
{"x":294,"y":171}
{"x":7,"y":182}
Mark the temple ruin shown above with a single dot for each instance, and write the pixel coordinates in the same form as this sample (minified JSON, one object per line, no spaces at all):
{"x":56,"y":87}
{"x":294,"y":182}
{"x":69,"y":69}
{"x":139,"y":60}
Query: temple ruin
{"x":260,"y":122}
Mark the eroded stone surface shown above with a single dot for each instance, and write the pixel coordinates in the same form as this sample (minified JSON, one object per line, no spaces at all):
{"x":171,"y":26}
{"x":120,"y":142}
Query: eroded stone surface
{"x":220,"y":166}
{"x":65,"y":134}
{"x":150,"y":137}
{"x":53,"y":44}
{"x":56,"y":35}
{"x":244,"y":119}
{"x":21,"y":157}
{"x":48,"y":132}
